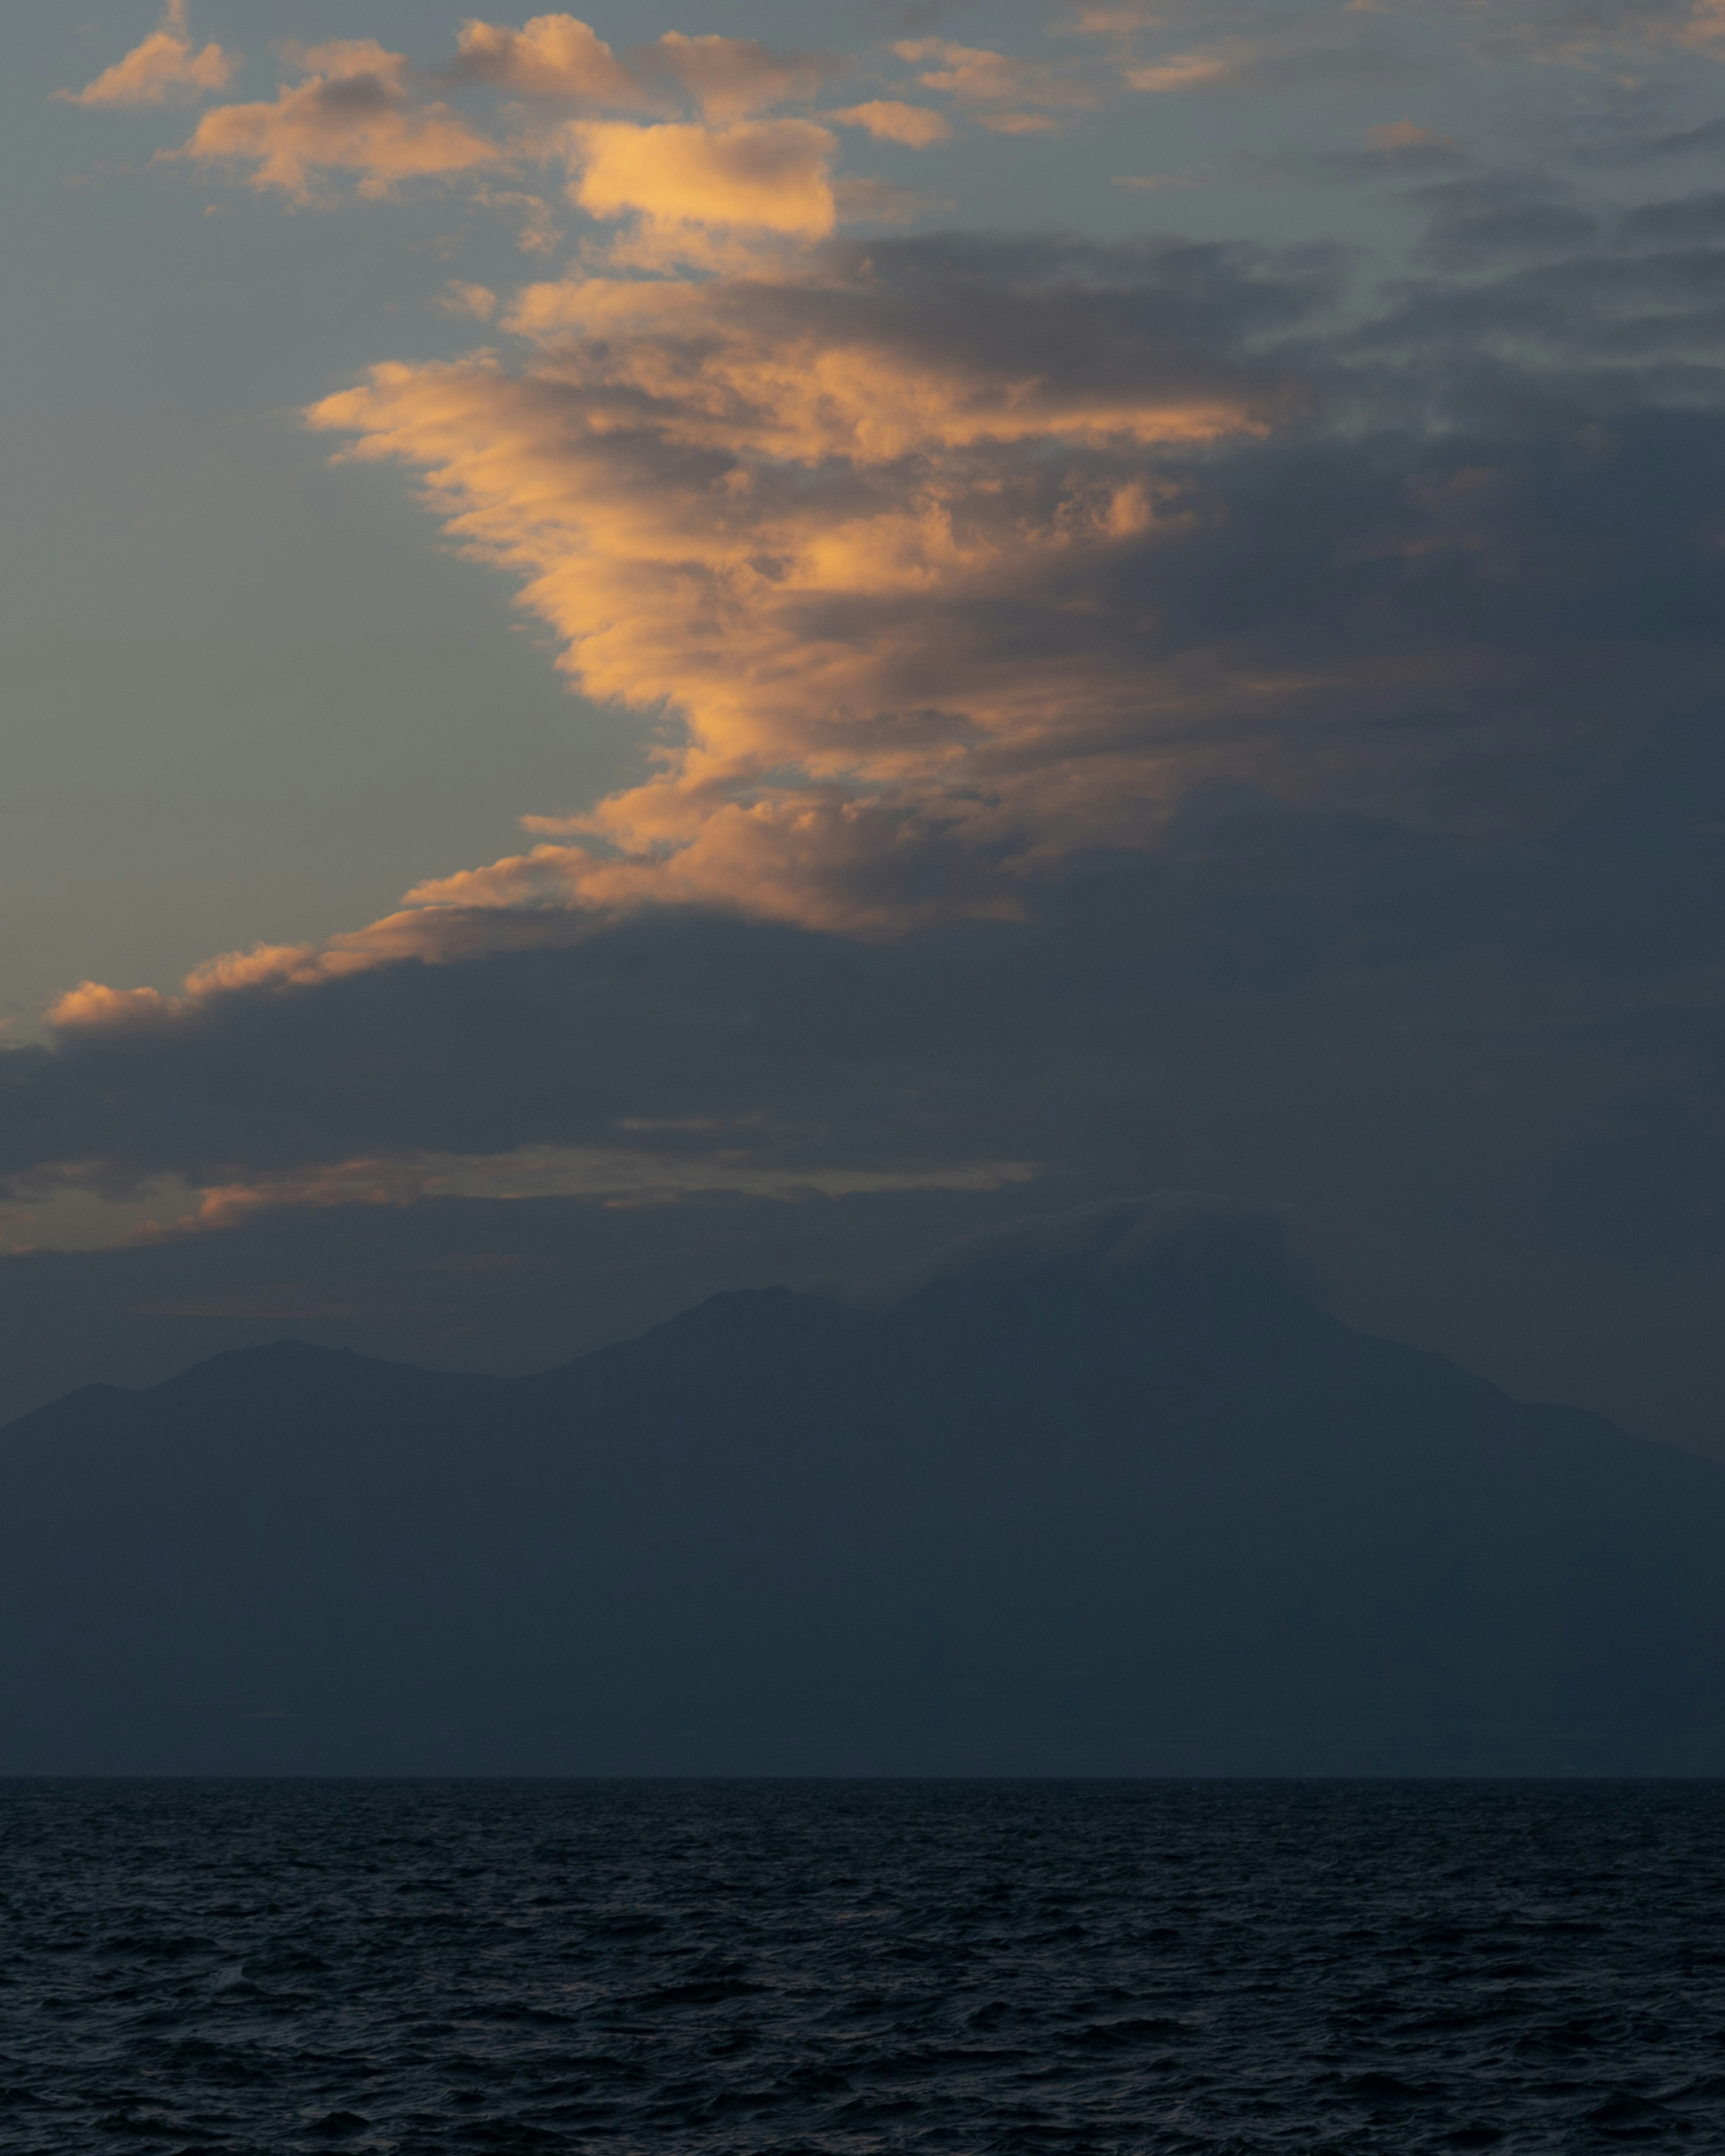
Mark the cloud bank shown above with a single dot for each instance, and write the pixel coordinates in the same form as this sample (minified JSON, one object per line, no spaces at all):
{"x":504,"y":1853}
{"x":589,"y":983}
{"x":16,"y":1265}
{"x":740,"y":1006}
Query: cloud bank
{"x":1080,"y":681}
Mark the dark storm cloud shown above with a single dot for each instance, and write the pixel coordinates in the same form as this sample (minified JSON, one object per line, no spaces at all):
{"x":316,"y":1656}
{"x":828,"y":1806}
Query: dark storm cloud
{"x":682,"y":1035}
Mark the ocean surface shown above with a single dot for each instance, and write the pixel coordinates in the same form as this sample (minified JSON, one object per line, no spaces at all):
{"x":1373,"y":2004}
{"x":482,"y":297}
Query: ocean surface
{"x":818,"y":1966}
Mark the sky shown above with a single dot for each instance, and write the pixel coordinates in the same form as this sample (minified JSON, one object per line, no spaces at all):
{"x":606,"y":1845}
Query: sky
{"x":645,"y":657}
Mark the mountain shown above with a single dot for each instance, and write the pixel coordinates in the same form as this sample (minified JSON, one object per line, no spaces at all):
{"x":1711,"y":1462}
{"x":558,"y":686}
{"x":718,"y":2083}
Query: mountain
{"x":1109,"y":1494}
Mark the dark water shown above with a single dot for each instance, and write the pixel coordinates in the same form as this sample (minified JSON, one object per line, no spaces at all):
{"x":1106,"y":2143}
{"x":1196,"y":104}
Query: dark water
{"x":269,"y":1967}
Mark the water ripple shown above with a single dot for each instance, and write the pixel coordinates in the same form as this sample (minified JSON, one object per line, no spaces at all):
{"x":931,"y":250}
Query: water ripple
{"x":251,"y":1968}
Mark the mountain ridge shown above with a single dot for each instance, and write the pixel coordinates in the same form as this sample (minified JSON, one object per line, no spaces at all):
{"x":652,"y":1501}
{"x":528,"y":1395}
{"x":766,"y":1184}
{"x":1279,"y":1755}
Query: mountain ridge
{"x":1141,"y":1507}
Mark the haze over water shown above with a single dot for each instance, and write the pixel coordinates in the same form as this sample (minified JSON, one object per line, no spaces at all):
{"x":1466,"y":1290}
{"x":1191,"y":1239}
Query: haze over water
{"x":258,"y":1968}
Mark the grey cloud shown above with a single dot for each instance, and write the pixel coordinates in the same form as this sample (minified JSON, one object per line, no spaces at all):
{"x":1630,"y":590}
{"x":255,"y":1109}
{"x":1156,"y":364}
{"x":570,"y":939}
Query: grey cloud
{"x":1704,"y":141}
{"x":1377,"y":1028}
{"x":1578,"y":29}
{"x":1548,"y":560}
{"x":1694,"y":220}
{"x":682,"y":1034}
{"x":1378,"y":164}
{"x":1192,"y":1230}
{"x":1502,"y":216}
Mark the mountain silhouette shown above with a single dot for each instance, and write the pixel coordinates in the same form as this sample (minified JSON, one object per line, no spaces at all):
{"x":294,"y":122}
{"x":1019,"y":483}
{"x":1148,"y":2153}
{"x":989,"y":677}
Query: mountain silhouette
{"x":1106,"y":1495}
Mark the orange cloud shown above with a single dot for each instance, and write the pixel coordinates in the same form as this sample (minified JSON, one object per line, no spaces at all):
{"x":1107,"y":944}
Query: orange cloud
{"x":976,"y":75}
{"x":552,"y":56}
{"x":729,"y":78}
{"x":1705,"y":26}
{"x":915,"y":126}
{"x":786,"y":513}
{"x":167,"y":66}
{"x":765,"y":175}
{"x":610,"y":1175}
{"x":1399,"y":134}
{"x":1111,"y":22}
{"x":557,"y":56}
{"x":92,"y":1006}
{"x":1195,"y":70}
{"x":478,"y":302}
{"x":353,"y":113}
{"x":536,"y":231}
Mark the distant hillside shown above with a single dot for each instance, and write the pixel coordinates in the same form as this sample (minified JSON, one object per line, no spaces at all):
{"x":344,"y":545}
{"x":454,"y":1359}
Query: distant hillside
{"x":1117,"y":1500}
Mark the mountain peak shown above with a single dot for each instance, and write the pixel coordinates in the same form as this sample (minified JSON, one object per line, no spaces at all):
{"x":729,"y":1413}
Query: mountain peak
{"x":1096,"y":1494}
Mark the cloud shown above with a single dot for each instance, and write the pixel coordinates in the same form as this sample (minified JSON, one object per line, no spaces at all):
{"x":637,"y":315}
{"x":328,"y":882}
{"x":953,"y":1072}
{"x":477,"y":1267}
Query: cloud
{"x":354,"y":112}
{"x":938,"y":565}
{"x":613,"y":1176}
{"x":788,"y":512}
{"x":537,"y":232}
{"x":1192,"y":1230}
{"x":1175,"y":49}
{"x":915,"y":126}
{"x":1503,"y":217}
{"x":1155,"y":716}
{"x":1400,"y":149}
{"x":1398,"y":138}
{"x":1114,"y":22}
{"x":729,"y":78}
{"x":558,"y":58}
{"x":1202,"y":69}
{"x":552,"y":56}
{"x":1705,"y":26}
{"x":1459,"y":513}
{"x":1586,"y":33}
{"x":975,"y":75}
{"x":1268,"y":1001}
{"x":166,"y":67}
{"x":477,"y":302}
{"x":681,"y":180}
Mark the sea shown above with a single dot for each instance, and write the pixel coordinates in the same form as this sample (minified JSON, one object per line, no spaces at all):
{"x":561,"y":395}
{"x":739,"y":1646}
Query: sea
{"x":688,"y":1968}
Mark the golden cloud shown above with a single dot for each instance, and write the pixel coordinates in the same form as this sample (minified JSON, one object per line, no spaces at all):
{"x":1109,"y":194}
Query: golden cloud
{"x":354,"y":112}
{"x":1193,"y":70}
{"x":888,"y":120}
{"x":558,"y":57}
{"x":552,"y":56}
{"x":167,"y":66}
{"x":976,"y":75}
{"x":776,"y":512}
{"x":729,"y":78}
{"x":682,"y":181}
{"x":476,"y":302}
